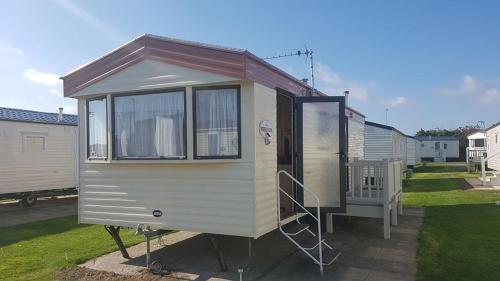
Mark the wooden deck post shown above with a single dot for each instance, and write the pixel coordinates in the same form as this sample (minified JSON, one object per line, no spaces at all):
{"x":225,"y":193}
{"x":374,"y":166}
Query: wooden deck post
{"x":394,"y":212}
{"x":400,"y":203}
{"x":387,"y":218}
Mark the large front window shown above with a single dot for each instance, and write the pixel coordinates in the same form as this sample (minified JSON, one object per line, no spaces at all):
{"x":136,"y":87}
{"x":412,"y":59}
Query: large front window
{"x":217,"y":122}
{"x":150,"y":126}
{"x":97,"y":141}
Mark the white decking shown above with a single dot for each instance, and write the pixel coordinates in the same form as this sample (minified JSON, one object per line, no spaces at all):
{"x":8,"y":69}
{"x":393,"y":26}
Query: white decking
{"x":375,"y":191}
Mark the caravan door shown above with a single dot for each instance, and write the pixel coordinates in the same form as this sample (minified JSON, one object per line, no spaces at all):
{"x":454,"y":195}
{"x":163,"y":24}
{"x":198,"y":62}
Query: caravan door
{"x":321,"y":139}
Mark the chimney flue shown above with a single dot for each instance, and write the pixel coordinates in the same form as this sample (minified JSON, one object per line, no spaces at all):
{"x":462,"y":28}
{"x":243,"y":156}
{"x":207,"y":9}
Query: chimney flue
{"x":346,"y":94}
{"x":60,"y":116}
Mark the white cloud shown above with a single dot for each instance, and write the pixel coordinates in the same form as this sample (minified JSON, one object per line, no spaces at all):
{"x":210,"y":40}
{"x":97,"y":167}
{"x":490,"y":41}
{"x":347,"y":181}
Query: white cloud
{"x":90,"y":19}
{"x":490,"y":96}
{"x":15,"y":50}
{"x":334,"y":84}
{"x":396,"y":102}
{"x":55,"y":92}
{"x":487,"y":91}
{"x":44,"y":78}
{"x":469,"y":83}
{"x":69,"y":109}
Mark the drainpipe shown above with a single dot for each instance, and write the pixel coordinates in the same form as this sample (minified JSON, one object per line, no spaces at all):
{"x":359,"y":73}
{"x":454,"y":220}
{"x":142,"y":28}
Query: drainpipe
{"x":60,"y":116}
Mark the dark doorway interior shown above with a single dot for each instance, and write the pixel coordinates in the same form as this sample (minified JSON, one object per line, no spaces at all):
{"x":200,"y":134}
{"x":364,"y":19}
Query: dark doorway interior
{"x":285,"y":144}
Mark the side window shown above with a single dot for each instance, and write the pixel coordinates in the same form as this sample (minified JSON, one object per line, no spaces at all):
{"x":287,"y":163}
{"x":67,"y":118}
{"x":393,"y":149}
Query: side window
{"x":97,"y":129}
{"x":445,"y":146}
{"x":217,"y":125}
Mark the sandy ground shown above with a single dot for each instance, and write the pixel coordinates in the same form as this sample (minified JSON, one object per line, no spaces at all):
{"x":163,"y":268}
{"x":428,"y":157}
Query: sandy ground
{"x":12,"y":213}
{"x":365,"y":256}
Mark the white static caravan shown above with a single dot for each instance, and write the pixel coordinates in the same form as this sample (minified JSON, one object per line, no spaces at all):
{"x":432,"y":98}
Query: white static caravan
{"x":186,"y":136}
{"x":355,"y":134}
{"x":439,"y":149}
{"x":412,"y":151}
{"x":384,"y":142}
{"x":38,"y":153}
{"x":493,"y":143}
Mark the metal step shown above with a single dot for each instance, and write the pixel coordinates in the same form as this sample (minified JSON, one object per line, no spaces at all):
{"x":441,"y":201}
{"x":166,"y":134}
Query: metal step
{"x":293,"y":228}
{"x":329,"y":255}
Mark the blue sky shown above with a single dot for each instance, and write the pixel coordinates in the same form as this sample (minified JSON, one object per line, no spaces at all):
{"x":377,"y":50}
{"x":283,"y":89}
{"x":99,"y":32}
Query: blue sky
{"x":432,"y":63}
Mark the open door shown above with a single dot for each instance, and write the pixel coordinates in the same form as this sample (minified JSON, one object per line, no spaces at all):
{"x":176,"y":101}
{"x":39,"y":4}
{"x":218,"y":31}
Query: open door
{"x":321,"y":155}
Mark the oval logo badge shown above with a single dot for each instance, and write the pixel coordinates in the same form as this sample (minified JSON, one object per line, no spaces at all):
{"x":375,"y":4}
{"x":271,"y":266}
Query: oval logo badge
{"x":157,"y":213}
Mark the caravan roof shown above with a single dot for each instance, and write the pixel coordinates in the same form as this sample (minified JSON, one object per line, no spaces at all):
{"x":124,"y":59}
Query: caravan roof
{"x":21,"y":115}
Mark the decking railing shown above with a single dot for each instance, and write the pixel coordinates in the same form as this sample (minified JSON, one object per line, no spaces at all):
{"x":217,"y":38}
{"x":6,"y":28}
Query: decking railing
{"x":474,"y":154}
{"x":376,"y":181}
{"x":375,"y":190}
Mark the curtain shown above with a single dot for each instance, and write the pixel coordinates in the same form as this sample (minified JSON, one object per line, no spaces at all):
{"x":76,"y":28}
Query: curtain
{"x":97,"y":140}
{"x":217,"y":122}
{"x":150,"y":126}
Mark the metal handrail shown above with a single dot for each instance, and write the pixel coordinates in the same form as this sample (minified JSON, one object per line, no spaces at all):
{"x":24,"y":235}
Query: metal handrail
{"x":317,"y":218}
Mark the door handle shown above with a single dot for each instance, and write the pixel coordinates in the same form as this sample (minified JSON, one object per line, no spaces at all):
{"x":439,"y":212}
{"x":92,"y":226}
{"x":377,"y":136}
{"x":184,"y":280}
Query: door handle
{"x":342,"y":154}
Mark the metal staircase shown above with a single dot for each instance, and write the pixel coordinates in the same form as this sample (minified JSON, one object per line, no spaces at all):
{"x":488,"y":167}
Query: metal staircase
{"x":301,"y":234}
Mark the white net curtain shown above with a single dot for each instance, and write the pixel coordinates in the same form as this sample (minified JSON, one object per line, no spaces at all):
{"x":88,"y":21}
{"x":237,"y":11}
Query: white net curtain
{"x":150,"y":126}
{"x":217,"y":122}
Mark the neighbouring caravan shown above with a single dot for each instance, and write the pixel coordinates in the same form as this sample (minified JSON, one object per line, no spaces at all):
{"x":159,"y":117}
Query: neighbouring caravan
{"x":355,"y":134}
{"x":439,"y":149}
{"x":493,"y":144}
{"x":412,"y":151}
{"x":475,"y":150}
{"x":384,"y":142}
{"x":38,"y":153}
{"x":187,"y":136}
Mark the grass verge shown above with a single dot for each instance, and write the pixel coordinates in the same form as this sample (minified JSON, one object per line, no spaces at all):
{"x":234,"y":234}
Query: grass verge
{"x":460,"y":237}
{"x":37,"y":251}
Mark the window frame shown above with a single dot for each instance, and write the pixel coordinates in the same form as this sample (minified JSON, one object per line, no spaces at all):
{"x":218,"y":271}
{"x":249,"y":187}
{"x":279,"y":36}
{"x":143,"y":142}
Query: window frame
{"x":25,"y":135}
{"x":105,"y":97}
{"x":142,"y":93}
{"x":238,"y":108}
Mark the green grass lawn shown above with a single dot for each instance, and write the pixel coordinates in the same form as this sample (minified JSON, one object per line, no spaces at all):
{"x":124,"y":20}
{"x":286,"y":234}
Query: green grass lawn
{"x":37,"y":251}
{"x":460,"y":237}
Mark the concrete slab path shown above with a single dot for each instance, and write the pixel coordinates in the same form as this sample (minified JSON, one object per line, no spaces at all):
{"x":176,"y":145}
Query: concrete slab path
{"x":365,"y":254}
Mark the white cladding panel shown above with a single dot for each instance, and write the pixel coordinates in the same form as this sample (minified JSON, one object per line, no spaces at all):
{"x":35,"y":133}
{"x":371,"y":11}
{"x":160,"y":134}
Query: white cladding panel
{"x":383,"y":143}
{"x":378,"y":143}
{"x":411,"y":151}
{"x":412,"y":147}
{"x":356,"y":138}
{"x":493,"y":142}
{"x":265,"y":162}
{"x":211,"y":196}
{"x":36,"y":156}
{"x":150,"y":74}
{"x":399,"y":147}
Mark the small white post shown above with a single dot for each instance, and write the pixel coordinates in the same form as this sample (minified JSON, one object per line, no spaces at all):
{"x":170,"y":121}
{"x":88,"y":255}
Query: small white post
{"x":483,"y":170}
{"x":467,"y":159}
{"x":387,"y":209}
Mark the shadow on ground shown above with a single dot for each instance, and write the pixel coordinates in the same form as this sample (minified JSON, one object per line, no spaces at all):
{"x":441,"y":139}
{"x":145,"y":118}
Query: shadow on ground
{"x":365,"y":254}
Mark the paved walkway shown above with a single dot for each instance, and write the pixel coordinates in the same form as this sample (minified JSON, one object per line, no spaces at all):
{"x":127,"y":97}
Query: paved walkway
{"x":46,"y":208}
{"x":365,"y":254}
